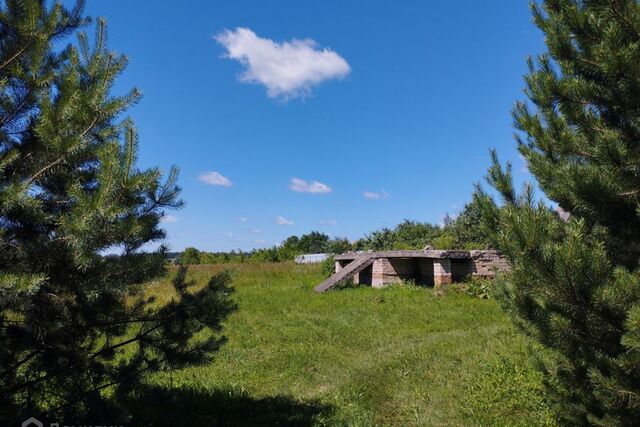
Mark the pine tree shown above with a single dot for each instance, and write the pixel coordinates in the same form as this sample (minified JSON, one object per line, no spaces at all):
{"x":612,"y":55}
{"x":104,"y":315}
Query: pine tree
{"x":575,"y":284}
{"x":75,"y":325}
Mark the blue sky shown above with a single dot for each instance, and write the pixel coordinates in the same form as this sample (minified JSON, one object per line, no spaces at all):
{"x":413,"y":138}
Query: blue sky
{"x":381,"y":110}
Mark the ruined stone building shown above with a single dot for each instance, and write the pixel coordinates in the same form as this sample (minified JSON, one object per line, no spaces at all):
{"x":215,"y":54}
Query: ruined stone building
{"x":428,"y":267}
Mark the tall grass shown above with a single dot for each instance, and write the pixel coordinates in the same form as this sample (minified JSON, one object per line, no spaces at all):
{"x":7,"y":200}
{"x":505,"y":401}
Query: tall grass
{"x":362,"y":356}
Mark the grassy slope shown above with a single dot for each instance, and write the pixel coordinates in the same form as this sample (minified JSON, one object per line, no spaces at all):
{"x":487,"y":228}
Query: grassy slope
{"x":398,"y":356}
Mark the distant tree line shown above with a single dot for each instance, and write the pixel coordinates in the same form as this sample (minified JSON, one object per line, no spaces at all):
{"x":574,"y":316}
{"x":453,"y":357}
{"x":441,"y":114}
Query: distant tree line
{"x":313,"y":242}
{"x":461,"y":232}
{"x":464,"y":231}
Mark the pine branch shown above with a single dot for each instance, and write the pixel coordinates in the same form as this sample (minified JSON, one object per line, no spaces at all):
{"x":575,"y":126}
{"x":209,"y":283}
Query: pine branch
{"x":60,"y":159}
{"x":12,"y":58}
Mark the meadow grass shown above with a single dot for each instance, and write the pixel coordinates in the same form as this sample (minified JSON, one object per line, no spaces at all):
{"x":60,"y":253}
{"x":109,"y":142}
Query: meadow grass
{"x":360,"y":356}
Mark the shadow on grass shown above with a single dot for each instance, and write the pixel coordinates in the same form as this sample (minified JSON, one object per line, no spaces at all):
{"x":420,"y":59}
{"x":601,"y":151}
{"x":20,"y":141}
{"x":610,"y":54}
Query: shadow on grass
{"x":156,"y":406}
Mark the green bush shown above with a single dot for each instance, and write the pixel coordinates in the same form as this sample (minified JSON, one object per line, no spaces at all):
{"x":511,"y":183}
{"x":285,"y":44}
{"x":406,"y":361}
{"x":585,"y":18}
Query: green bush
{"x":328,"y":267}
{"x":478,"y":287}
{"x":190,"y":256}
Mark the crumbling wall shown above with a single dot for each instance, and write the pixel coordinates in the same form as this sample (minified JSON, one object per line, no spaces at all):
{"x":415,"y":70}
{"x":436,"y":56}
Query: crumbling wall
{"x":461,"y":268}
{"x":392,"y":270}
{"x":487,"y":262}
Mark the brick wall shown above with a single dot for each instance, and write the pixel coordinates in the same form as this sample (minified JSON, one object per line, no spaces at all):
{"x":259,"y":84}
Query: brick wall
{"x":392,"y":270}
{"x":487,"y":262}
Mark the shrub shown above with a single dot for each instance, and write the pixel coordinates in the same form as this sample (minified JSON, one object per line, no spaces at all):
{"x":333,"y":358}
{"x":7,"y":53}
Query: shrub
{"x":328,"y":267}
{"x":478,"y":287}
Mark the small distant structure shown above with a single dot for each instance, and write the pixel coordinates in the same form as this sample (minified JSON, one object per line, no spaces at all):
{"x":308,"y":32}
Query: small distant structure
{"x":428,"y":266}
{"x":310,"y":258}
{"x":173,"y":257}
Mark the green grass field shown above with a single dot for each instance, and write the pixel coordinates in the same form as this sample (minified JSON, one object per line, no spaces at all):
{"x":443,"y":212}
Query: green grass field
{"x":361,"y":356}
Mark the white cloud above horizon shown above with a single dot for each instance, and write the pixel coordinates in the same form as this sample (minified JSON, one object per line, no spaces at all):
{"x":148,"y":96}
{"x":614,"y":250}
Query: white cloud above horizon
{"x":214,"y":178}
{"x":313,"y":187}
{"x":329,"y":222}
{"x":287,"y":69}
{"x":243,"y":219}
{"x":168,"y":219}
{"x":375,"y":196}
{"x":280,"y":220}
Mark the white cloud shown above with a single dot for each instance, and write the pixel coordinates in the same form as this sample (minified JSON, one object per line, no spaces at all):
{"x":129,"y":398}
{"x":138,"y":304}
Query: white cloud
{"x":255,"y":231}
{"x":313,"y":187}
{"x":243,"y":219}
{"x":168,"y":218}
{"x":280,"y":220}
{"x":214,"y":178}
{"x":259,"y":241}
{"x":226,"y":233}
{"x":329,"y":222}
{"x":376,"y":196}
{"x":287,"y":69}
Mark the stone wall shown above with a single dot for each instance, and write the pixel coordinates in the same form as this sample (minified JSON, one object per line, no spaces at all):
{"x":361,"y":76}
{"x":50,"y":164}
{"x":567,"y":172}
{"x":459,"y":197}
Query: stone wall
{"x":386,"y":271}
{"x":392,"y":270}
{"x":442,"y":274}
{"x":462,"y":268}
{"x":487,"y":262}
